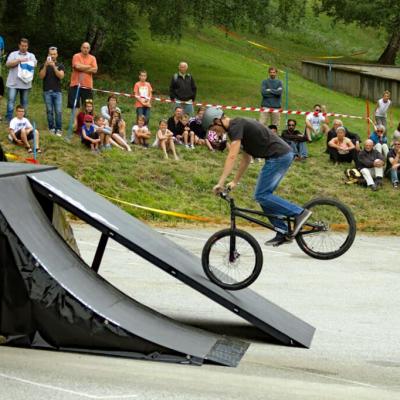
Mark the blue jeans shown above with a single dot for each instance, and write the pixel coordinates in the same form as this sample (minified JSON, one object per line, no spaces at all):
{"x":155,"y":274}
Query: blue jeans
{"x":299,"y":149}
{"x":145,"y":111}
{"x":12,"y":96}
{"x":53,"y":101}
{"x":270,"y":176}
{"x":394,"y":175}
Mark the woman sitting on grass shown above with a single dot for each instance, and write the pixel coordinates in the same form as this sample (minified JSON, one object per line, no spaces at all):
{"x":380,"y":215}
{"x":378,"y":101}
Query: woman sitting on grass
{"x":87,"y":109}
{"x":140,"y":132}
{"x":165,"y":139}
{"x":118,"y":133}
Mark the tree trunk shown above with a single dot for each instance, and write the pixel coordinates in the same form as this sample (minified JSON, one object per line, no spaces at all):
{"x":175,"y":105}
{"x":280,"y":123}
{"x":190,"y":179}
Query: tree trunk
{"x":388,"y":57}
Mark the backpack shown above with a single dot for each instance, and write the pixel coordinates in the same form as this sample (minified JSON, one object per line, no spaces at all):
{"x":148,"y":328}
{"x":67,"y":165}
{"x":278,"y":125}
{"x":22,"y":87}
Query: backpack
{"x":176,"y":77}
{"x":353,"y":176}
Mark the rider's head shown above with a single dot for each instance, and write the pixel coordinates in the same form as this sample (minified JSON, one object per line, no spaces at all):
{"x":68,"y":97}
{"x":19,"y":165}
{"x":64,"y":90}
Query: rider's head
{"x":212,"y":118}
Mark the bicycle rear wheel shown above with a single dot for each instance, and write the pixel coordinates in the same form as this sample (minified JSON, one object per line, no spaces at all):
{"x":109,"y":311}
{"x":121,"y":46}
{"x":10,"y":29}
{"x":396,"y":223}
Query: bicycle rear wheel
{"x":329,"y":232}
{"x":232,"y":259}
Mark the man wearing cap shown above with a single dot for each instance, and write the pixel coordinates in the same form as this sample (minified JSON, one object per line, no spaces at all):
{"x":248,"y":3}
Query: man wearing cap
{"x":52,"y":72}
{"x":84,"y":66}
{"x":258,"y":141}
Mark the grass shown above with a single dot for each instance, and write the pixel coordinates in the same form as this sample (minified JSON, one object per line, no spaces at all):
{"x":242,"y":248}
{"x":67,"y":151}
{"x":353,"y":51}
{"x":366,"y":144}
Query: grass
{"x":228,"y":70}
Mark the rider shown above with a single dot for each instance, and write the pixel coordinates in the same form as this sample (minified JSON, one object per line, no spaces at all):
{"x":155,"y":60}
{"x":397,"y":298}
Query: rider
{"x":258,"y":141}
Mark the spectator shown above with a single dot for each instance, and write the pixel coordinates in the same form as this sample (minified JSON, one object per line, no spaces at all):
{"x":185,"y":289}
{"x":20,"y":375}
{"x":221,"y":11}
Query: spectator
{"x":271,"y":92}
{"x":196,"y":126}
{"x":118,"y":132}
{"x":140,"y":132}
{"x":217,"y":141}
{"x":52,"y":72}
{"x":393,"y":164}
{"x":89,"y":135}
{"x":84,"y":66}
{"x":396,"y":134}
{"x":21,"y":131}
{"x":352,"y":136}
{"x":143,"y":93}
{"x":188,"y":134}
{"x":103,"y":131}
{"x":175,"y":124}
{"x":87,"y":109}
{"x":382,"y":108}
{"x":1,"y":78}
{"x":21,"y":65}
{"x":165,"y":139}
{"x":380,"y":140}
{"x":273,"y":128}
{"x":296,"y":140}
{"x":182,"y":88}
{"x":341,"y":148}
{"x":370,"y":164}
{"x":316,"y":123}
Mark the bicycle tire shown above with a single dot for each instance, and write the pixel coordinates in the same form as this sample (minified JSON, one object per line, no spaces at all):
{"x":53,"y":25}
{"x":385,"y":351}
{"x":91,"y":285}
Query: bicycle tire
{"x":216,"y":251}
{"x":338,"y":229}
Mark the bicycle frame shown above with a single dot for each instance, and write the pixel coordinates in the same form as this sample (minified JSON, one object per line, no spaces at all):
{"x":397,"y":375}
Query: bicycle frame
{"x":244,"y":213}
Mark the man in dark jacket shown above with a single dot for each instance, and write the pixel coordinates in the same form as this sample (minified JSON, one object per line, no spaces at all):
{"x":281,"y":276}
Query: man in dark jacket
{"x":296,"y":140}
{"x":183,"y":89}
{"x":370,"y":164}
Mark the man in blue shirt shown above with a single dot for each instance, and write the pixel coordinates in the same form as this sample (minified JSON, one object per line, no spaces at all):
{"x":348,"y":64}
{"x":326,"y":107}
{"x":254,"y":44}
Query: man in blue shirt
{"x":271,"y":92}
{"x":1,"y":78}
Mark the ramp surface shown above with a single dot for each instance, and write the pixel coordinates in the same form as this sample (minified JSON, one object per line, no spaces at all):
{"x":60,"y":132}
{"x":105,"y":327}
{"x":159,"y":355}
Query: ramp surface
{"x":72,"y":307}
{"x":175,"y":260}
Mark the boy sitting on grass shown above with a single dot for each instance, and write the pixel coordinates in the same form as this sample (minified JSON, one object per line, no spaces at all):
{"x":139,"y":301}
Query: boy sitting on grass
{"x":89,"y":136}
{"x":21,"y":131}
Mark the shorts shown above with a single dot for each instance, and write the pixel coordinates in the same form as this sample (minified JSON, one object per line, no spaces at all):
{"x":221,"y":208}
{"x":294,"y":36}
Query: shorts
{"x":18,"y":136}
{"x":1,"y":87}
{"x":83,"y":95}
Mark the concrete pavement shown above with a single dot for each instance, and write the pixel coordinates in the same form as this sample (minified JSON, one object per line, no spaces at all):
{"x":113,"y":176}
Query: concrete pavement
{"x":353,"y":302}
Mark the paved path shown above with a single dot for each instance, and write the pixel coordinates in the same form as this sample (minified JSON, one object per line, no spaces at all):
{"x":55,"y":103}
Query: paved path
{"x":353,"y":302}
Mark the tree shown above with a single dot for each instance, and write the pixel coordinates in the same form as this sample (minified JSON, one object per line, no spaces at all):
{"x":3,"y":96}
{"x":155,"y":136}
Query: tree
{"x":378,"y":13}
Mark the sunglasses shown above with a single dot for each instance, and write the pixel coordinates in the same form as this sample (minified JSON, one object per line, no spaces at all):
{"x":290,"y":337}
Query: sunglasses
{"x":379,"y":131}
{"x":291,"y":125}
{"x":317,"y":110}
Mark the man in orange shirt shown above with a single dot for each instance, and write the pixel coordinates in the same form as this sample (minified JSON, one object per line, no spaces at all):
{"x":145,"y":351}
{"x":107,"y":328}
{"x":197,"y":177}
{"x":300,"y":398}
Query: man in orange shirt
{"x":84,"y":65}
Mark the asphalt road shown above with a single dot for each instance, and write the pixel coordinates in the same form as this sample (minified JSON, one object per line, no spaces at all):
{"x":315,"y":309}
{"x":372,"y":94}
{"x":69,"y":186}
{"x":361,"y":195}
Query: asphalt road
{"x":353,"y":302}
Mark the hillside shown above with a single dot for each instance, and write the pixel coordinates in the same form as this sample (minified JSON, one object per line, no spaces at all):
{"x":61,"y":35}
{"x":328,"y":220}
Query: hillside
{"x":228,"y":70}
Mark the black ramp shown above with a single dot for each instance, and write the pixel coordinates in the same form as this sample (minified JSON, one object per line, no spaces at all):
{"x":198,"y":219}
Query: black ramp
{"x":74,"y":307}
{"x":167,"y":255}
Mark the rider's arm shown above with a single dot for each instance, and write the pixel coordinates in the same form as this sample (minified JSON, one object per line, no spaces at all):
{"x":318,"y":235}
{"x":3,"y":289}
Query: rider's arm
{"x":229,"y":162}
{"x":244,"y":163}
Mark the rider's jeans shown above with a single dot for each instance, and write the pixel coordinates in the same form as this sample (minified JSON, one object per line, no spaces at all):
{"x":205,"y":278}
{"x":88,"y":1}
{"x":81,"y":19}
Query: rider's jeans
{"x":271,"y":174}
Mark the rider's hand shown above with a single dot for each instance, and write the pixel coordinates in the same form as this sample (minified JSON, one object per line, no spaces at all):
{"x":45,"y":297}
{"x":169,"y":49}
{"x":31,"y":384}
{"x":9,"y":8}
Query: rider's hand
{"x":231,"y":185}
{"x":217,"y":189}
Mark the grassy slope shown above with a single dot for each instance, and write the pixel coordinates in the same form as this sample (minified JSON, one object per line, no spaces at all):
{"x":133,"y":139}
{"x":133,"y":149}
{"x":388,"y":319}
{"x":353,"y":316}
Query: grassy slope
{"x":228,"y":71}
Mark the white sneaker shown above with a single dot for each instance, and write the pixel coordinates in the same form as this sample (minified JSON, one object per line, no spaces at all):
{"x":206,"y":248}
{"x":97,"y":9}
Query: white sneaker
{"x":59,"y":132}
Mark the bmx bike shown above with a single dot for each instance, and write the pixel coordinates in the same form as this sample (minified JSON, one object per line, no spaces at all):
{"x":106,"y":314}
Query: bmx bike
{"x":233,"y":259}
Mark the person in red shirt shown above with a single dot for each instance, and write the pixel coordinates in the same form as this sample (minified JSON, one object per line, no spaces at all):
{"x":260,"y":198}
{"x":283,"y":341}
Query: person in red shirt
{"x":143,"y":92}
{"x":84,"y":66}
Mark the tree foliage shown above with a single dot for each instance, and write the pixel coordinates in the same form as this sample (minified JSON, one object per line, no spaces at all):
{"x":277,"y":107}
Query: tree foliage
{"x":379,"y":13}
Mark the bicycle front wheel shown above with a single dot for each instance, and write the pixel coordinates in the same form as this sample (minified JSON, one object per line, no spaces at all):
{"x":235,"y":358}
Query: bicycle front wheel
{"x":329,"y":232}
{"x":232,"y":259}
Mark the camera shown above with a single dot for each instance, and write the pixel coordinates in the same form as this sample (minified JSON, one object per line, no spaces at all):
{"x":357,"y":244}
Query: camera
{"x":48,"y":59}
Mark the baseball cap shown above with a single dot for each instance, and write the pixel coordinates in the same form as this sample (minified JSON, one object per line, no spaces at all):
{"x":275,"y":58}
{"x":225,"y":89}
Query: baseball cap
{"x":88,"y":118}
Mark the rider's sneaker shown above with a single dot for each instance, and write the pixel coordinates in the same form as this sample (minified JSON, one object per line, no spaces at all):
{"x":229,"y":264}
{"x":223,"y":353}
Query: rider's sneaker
{"x":278,"y":240}
{"x":300,"y":220}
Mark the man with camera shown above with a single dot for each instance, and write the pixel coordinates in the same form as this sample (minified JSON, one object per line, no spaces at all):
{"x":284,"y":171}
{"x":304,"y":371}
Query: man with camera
{"x":52,"y":72}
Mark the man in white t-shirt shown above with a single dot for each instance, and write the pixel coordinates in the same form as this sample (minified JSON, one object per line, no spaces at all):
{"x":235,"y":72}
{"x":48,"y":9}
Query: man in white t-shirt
{"x":21,"y":131}
{"x":17,"y":61}
{"x":316,"y":123}
{"x":382,"y":108}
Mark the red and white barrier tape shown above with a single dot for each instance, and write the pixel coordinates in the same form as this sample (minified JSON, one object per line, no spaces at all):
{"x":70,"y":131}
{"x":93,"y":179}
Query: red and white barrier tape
{"x":235,"y":108}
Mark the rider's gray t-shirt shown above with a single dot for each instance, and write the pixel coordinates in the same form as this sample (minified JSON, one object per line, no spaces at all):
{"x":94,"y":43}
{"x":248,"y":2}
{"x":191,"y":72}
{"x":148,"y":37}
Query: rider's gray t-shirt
{"x":256,"y":139}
